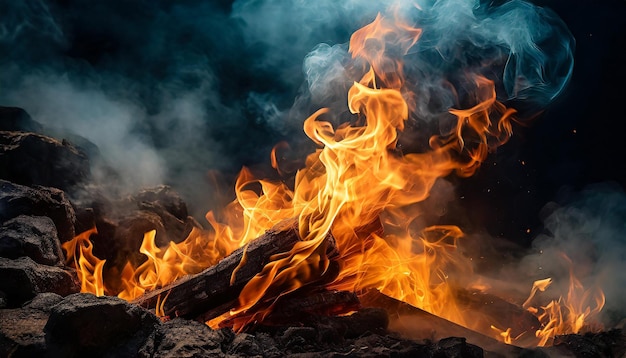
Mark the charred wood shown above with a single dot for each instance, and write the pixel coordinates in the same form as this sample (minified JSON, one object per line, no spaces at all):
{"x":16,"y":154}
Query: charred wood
{"x":215,"y":290}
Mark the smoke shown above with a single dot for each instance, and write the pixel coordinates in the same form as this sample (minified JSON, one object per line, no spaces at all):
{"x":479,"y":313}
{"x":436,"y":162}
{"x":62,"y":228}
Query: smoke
{"x":169,"y":91}
{"x":588,"y":227}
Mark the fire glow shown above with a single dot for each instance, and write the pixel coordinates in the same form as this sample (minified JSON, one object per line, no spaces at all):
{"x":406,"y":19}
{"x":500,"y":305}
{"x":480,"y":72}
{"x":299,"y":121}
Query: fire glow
{"x":359,"y":186}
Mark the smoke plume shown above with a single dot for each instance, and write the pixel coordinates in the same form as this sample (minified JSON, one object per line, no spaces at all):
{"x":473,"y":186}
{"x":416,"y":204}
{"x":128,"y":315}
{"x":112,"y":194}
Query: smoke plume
{"x":168,"y":91}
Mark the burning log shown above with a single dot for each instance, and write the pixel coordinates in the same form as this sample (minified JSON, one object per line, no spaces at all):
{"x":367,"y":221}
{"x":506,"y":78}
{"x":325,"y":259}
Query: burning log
{"x":489,"y":310}
{"x":303,"y":307}
{"x":415,"y":323}
{"x":216,"y":289}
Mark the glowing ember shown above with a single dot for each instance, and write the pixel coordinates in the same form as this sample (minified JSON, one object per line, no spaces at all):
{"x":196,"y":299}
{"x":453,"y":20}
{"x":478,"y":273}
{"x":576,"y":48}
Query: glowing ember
{"x":363,"y":190}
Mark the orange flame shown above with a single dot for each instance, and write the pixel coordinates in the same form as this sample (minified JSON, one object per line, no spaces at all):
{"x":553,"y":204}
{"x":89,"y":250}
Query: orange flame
{"x":565,"y":315}
{"x":359,"y":187}
{"x":78,"y":253}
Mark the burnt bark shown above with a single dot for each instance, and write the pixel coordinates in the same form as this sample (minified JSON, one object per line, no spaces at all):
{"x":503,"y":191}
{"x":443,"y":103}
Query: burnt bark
{"x":212,"y":290}
{"x":487,"y":309}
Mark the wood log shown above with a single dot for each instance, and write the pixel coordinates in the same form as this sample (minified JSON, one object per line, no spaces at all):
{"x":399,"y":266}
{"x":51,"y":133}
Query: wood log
{"x":414,"y":323}
{"x":485,"y":309}
{"x":304,"y":306}
{"x":212,"y":290}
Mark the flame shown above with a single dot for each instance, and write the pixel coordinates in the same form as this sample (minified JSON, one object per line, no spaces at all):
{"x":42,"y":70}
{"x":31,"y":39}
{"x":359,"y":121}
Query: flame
{"x":568,"y":314}
{"x":361,"y":188}
{"x":78,"y":253}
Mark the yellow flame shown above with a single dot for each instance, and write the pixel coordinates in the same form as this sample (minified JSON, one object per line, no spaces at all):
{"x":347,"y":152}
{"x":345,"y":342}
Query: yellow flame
{"x":566,"y":315}
{"x":78,"y":254}
{"x":358,"y":186}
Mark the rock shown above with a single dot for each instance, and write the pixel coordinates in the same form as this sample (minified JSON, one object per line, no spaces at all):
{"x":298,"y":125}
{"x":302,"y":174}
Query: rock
{"x":22,"y":279}
{"x":172,"y":212}
{"x":16,"y":119}
{"x":122,"y":223}
{"x":44,"y":301}
{"x":180,"y":338}
{"x":161,"y":199}
{"x":35,"y":159}
{"x":246,"y":345}
{"x":603,"y":344}
{"x":16,"y":200}
{"x":32,"y":236}
{"x":21,"y":330}
{"x":456,"y":347}
{"x":86,"y":325}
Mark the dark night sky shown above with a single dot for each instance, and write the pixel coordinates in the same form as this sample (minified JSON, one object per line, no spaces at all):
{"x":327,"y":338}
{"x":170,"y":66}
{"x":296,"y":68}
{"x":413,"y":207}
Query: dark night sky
{"x":578,"y":141}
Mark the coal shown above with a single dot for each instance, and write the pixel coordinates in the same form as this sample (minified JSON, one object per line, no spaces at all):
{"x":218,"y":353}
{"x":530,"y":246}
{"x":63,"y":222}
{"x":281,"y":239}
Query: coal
{"x":34,"y":159}
{"x":85,"y":325}
{"x":22,"y":279}
{"x":16,"y":200}
{"x":32,"y":236}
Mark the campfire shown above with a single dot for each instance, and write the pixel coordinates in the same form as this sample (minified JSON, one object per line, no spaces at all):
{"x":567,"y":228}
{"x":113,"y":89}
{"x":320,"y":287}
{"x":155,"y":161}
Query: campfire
{"x":340,"y":242}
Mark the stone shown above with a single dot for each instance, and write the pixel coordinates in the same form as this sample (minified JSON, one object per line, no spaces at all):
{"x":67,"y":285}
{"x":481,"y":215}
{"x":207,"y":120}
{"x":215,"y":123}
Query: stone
{"x":16,"y":119}
{"x":181,"y":338}
{"x":22,"y":279}
{"x":21,"y":330}
{"x":456,"y":347}
{"x":161,"y":199}
{"x":32,"y":236}
{"x":86,"y":325}
{"x":16,"y":200}
{"x":34,"y":159}
{"x":247,"y":345}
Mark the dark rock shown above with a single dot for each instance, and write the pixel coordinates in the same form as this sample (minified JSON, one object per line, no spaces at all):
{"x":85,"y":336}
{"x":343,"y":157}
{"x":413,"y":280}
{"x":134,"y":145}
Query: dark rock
{"x":86,"y":325}
{"x":16,"y":200}
{"x":246,"y":345}
{"x":16,"y":119}
{"x":161,"y":199}
{"x":44,"y":301}
{"x":299,"y":339}
{"x":34,"y":159}
{"x":129,"y":234}
{"x":122,"y":223}
{"x":22,"y":279}
{"x":456,"y":347}
{"x":180,"y":338}
{"x":603,"y":344}
{"x":21,"y":330}
{"x":32,"y":236}
{"x":173,"y":224}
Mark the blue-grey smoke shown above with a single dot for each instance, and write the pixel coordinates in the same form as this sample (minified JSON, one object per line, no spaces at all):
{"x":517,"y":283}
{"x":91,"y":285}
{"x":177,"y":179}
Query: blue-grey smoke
{"x":169,"y":90}
{"x":590,"y":228}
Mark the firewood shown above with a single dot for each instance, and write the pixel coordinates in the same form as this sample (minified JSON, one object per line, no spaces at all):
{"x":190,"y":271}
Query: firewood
{"x":485,"y":310}
{"x":414,"y":323}
{"x":212,"y":290}
{"x":304,"y":306}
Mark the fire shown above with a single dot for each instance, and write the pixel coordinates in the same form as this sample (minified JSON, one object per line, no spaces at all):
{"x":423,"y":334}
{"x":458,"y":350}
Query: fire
{"x":79,"y":255}
{"x":568,"y":314}
{"x":361,"y":188}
